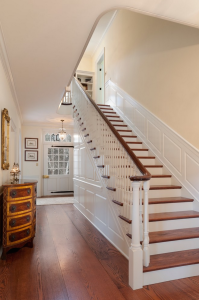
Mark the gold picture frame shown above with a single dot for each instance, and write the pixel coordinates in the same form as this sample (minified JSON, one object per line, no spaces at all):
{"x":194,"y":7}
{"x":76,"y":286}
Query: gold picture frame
{"x":5,"y":134}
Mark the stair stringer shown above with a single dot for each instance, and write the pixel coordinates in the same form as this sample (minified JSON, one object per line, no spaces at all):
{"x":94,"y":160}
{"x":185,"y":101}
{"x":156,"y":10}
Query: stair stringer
{"x":115,"y":210}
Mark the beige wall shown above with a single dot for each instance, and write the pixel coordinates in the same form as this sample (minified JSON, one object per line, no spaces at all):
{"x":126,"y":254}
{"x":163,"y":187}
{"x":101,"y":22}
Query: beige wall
{"x":85,"y":64}
{"x":7,"y":101}
{"x":157,"y":63}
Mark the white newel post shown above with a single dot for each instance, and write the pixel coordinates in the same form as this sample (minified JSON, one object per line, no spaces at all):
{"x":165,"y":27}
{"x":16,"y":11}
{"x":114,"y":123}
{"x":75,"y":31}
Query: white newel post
{"x":146,"y":250}
{"x":135,"y":251}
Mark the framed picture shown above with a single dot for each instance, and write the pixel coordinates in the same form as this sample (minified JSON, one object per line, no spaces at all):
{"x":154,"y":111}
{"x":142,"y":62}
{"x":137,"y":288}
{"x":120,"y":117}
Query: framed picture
{"x":31,"y":155}
{"x":31,"y":143}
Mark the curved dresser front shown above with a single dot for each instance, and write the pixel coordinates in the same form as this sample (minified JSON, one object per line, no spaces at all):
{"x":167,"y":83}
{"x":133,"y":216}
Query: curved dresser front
{"x":19,"y":215}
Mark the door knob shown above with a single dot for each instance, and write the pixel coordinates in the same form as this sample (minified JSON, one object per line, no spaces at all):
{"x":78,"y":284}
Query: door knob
{"x":45,"y":176}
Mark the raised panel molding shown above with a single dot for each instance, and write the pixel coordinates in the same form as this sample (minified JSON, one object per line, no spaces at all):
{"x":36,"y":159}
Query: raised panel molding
{"x":89,"y":201}
{"x":82,"y":196}
{"x":154,"y":135}
{"x":101,"y":209}
{"x":192,"y":172}
{"x":172,"y":152}
{"x":178,"y":156}
{"x":140,"y":121}
{"x":113,"y":225}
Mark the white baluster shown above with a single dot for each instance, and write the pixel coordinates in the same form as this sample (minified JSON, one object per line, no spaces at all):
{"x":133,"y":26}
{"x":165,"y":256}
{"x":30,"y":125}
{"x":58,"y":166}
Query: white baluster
{"x":146,"y":250}
{"x":141,"y":223}
{"x":135,"y":251}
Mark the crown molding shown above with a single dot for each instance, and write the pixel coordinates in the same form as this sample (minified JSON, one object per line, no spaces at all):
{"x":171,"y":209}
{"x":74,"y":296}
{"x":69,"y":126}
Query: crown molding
{"x":8,"y":73}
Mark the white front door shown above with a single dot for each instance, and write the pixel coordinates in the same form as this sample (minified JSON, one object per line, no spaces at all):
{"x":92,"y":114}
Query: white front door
{"x":58,"y":170}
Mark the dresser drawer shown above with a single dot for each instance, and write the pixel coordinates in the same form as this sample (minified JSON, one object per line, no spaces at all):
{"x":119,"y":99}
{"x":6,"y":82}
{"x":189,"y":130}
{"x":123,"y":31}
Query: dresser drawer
{"x":18,"y":236}
{"x":19,"y":207}
{"x":19,"y":221}
{"x":19,"y":193}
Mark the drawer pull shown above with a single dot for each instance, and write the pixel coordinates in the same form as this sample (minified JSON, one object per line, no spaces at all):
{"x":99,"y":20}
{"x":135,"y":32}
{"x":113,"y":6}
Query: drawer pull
{"x":13,"y":193}
{"x":28,"y":205}
{"x":28,"y":191}
{"x":28,"y":218}
{"x":13,"y":223}
{"x":28,"y":231}
{"x":12,"y":237}
{"x":35,"y":190}
{"x":13,"y":208}
{"x":35,"y":201}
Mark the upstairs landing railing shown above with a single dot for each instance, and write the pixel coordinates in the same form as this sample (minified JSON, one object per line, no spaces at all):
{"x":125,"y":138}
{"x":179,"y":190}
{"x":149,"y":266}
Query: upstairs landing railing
{"x":131,"y":179}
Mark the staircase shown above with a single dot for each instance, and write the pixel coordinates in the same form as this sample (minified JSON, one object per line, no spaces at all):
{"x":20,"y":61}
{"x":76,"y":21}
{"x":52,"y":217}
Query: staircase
{"x":173,"y":224}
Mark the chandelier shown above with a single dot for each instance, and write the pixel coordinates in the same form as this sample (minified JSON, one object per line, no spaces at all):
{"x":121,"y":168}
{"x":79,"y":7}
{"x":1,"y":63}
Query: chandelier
{"x":62,"y":132}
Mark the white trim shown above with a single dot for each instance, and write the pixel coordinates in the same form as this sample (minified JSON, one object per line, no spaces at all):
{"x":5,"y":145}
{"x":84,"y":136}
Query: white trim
{"x":81,"y":72}
{"x":7,"y":70}
{"x":95,"y":185}
{"x":105,"y":32}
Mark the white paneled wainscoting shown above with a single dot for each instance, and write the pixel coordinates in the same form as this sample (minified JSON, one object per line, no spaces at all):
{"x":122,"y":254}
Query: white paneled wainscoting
{"x":177,"y":155}
{"x":135,"y":179}
{"x":93,"y":199}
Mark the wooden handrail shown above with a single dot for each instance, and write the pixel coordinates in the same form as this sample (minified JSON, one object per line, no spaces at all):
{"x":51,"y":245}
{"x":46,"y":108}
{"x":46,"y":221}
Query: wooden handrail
{"x":145,"y":174}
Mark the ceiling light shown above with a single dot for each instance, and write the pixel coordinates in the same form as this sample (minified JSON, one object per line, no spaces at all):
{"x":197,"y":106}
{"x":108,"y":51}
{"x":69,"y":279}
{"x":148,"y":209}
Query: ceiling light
{"x":62,"y":132}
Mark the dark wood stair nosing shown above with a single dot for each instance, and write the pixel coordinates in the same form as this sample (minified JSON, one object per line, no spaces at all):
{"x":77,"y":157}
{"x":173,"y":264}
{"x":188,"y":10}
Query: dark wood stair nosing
{"x":125,"y":219}
{"x":101,"y":166}
{"x":95,"y":157}
{"x":105,"y":176}
{"x":92,"y":149}
{"x":111,"y":189}
{"x":117,"y":202}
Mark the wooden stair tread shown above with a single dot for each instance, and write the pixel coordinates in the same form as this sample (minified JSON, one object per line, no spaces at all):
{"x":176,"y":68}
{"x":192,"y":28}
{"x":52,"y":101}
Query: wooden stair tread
{"x":103,"y":105}
{"x":137,"y":149}
{"x":124,"y":130}
{"x":161,"y":176}
{"x":93,"y":149}
{"x":96,"y":157}
{"x":134,"y":143}
{"x":111,"y":188}
{"x":116,"y":121}
{"x":89,"y":142}
{"x":100,"y":166}
{"x":146,"y":157}
{"x":117,"y":202}
{"x":173,"y":215}
{"x":106,"y":108}
{"x":84,"y":129}
{"x":86,"y":135}
{"x":172,"y":260}
{"x":113,"y":117}
{"x":118,"y":125}
{"x":169,"y":200}
{"x":109,"y":112}
{"x":153,"y":166}
{"x":173,"y":235}
{"x":129,"y":136}
{"x":125,"y":219}
{"x":165,"y":187}
{"x":105,"y":176}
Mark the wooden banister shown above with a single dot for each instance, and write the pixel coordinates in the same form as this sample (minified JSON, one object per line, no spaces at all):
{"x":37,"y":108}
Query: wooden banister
{"x":145,"y":174}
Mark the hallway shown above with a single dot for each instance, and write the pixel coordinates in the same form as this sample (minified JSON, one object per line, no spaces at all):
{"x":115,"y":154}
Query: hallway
{"x":72,"y":260}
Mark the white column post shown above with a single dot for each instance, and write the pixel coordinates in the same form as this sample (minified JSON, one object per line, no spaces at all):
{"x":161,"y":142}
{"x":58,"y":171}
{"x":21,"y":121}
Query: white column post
{"x":141,"y":223}
{"x":135,"y":251}
{"x":146,"y":250}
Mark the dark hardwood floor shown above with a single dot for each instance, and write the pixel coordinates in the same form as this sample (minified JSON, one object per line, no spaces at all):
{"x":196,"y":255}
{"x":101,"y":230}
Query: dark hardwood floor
{"x":72,"y":260}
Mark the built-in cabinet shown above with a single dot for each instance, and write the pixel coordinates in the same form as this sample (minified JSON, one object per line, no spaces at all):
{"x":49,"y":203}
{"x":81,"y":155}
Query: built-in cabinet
{"x":87,"y":81}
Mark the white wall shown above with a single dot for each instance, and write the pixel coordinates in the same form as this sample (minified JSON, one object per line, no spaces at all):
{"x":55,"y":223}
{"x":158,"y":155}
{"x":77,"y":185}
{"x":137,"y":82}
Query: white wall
{"x":157,"y":63}
{"x":34,"y":170}
{"x":85,"y":64}
{"x":94,"y":200}
{"x":7,"y":101}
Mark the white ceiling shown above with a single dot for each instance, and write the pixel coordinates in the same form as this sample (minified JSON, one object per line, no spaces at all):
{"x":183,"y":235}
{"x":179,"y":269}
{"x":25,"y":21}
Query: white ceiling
{"x":45,"y":39}
{"x":99,"y":32}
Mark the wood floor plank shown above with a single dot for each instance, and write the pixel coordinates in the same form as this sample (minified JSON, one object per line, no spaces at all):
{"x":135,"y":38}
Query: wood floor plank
{"x":84,"y":260}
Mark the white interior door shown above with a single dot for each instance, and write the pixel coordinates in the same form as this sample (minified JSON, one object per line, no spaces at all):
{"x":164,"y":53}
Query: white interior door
{"x":100,"y":80}
{"x":58,"y":170}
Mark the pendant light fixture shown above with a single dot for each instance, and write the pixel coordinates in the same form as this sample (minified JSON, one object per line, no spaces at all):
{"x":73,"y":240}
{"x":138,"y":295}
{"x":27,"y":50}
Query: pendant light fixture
{"x":62,"y":132}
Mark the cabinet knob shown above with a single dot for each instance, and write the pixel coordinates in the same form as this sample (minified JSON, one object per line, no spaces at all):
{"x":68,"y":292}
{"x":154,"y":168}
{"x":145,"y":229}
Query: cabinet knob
{"x":12,"y":237}
{"x":13,"y":223}
{"x":13,"y":208}
{"x":35,"y":190}
{"x":28,"y":231}
{"x":28,"y":191}
{"x":13,"y":193}
{"x":28,"y":205}
{"x":28,"y":218}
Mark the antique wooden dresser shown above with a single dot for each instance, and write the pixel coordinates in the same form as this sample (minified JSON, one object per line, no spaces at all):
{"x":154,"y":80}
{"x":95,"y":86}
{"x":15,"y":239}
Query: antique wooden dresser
{"x":19,"y":215}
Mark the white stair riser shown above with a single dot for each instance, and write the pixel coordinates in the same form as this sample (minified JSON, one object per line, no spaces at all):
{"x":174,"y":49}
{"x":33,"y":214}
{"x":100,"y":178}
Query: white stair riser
{"x":124,"y":133}
{"x":155,"y":171}
{"x":172,"y":246}
{"x":148,"y":161}
{"x":173,"y":224}
{"x":135,"y":146}
{"x":126,"y":139}
{"x":164,"y":193}
{"x":121,"y":128}
{"x":160,"y":181}
{"x":170,"y":274}
{"x":141,"y":153}
{"x":170,"y":207}
{"x":114,"y":122}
